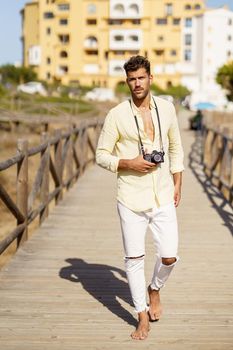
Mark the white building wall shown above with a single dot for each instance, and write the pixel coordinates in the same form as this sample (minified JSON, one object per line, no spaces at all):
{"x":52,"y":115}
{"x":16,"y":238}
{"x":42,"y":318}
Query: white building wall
{"x":217,"y":48}
{"x":212,"y":47}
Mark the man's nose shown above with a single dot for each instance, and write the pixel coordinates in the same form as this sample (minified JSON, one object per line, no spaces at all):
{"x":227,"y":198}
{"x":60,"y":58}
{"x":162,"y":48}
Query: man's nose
{"x":137,"y":82}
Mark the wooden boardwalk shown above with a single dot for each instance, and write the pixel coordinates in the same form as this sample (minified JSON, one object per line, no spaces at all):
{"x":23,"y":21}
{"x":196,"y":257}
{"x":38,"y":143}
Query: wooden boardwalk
{"x":66,"y":287}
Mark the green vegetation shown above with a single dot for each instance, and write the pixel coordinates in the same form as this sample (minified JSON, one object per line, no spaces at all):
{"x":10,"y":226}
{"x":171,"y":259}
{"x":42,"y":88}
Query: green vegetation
{"x":224,"y":77}
{"x":16,"y":75}
{"x":178,"y":91}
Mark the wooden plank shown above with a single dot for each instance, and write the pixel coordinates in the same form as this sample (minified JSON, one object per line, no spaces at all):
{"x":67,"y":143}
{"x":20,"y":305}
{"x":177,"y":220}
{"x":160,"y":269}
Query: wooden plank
{"x":66,"y":287}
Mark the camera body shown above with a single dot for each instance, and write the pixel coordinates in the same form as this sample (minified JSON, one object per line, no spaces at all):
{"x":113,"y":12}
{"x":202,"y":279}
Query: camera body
{"x":154,"y":157}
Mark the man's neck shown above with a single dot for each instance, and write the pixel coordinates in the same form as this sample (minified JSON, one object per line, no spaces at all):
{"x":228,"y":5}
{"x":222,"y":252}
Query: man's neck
{"x":143,"y":103}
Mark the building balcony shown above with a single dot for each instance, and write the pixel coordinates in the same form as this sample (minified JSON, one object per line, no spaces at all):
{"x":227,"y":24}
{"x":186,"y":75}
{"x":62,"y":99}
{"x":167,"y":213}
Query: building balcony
{"x":125,"y":39}
{"x":91,"y":43}
{"x":115,"y":68}
{"x":122,"y":9}
{"x":61,"y":71}
{"x":34,"y":55}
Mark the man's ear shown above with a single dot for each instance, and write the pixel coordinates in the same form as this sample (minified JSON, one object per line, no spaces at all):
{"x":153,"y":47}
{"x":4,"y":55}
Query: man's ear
{"x":151,"y":79}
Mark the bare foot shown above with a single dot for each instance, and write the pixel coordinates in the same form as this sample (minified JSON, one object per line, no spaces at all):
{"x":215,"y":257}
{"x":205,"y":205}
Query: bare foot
{"x":143,"y":327}
{"x":155,"y":309}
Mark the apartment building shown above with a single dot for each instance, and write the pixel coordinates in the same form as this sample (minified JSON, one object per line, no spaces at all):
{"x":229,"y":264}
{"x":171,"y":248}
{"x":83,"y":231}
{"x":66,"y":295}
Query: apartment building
{"x":207,"y":45}
{"x":88,"y":41}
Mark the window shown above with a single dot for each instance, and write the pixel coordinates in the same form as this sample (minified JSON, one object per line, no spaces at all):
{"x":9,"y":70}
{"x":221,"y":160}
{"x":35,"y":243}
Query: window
{"x":136,"y":21}
{"x":188,"y":22}
{"x":229,"y":21}
{"x":63,"y":69}
{"x":160,"y":38}
{"x":229,"y":37}
{"x":134,"y":9}
{"x":48,"y":31}
{"x":63,"y":21}
{"x":176,"y":21}
{"x":63,"y":7}
{"x":187,"y":7}
{"x":91,"y":8}
{"x":63,"y":54}
{"x":64,"y":38}
{"x":91,"y":22}
{"x":118,"y":69}
{"x":197,"y":6}
{"x":228,"y":53}
{"x":115,"y":21}
{"x":133,"y":38}
{"x":48,"y":60}
{"x":91,"y":42}
{"x":161,"y":21}
{"x":188,"y":39}
{"x":159,"y":52}
{"x":168,"y":9}
{"x":118,"y":38}
{"x":48,"y":15}
{"x":92,"y":52}
{"x":48,"y":75}
{"x":173,"y":53}
{"x":119,"y":9}
{"x":187,"y":55}
{"x":119,"y":53}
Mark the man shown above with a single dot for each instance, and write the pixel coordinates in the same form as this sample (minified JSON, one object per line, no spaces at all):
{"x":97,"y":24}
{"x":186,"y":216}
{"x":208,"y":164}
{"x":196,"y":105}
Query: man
{"x":148,"y":191}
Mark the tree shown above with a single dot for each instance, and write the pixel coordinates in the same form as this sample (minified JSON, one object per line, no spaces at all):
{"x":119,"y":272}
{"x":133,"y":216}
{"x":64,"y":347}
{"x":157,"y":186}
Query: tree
{"x":224,"y":77}
{"x":16,"y":75}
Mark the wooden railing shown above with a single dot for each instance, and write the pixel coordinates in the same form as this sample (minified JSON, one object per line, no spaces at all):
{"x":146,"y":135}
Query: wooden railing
{"x":218,"y":155}
{"x":63,"y":158}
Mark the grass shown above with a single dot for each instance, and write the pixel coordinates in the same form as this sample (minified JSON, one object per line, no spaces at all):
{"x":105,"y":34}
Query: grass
{"x":45,"y":105}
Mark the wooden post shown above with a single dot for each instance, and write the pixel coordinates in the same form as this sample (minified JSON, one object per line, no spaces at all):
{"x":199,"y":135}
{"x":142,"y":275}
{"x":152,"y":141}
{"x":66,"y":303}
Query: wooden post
{"x":58,"y":161}
{"x":69,"y":160}
{"x":44,"y":193}
{"x":83,"y":148}
{"x":22,"y":186}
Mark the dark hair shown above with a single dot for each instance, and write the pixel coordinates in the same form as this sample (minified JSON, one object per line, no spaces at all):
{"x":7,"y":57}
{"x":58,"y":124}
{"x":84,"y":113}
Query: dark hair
{"x":136,"y":62}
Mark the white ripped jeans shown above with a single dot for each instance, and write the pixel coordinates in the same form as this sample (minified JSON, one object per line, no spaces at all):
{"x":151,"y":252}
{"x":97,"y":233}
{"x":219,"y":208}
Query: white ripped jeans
{"x":163,"y":225}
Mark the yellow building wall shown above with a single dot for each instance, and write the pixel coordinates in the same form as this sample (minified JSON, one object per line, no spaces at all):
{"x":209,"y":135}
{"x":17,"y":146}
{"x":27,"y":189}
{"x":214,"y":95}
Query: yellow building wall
{"x":30,"y":29}
{"x":49,"y":29}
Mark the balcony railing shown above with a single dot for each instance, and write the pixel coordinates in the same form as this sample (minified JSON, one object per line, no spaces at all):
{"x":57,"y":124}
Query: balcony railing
{"x":126,"y":9}
{"x":125,"y":40}
{"x":115,"y":68}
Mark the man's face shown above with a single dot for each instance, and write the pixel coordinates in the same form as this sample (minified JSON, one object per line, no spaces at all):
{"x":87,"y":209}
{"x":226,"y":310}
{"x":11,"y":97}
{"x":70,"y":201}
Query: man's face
{"x":139,"y":83}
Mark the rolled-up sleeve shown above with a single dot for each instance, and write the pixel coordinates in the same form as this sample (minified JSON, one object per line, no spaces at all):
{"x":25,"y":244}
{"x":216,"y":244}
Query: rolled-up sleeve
{"x":106,"y":144}
{"x":176,"y":154}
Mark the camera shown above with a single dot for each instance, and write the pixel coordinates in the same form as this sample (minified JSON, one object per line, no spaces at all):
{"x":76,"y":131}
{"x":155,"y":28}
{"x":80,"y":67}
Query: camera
{"x":154,"y":157}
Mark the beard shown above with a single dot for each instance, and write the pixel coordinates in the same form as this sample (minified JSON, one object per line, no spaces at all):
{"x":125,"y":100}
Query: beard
{"x":140,"y":94}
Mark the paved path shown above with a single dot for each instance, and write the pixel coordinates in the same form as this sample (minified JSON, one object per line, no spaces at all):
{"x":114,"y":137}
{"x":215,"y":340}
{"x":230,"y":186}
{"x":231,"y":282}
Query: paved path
{"x":66,"y":287}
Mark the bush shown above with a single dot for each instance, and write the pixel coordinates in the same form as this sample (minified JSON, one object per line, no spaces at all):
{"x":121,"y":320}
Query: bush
{"x":16,"y":75}
{"x":3,"y":91}
{"x":178,"y":91}
{"x":225,"y":79}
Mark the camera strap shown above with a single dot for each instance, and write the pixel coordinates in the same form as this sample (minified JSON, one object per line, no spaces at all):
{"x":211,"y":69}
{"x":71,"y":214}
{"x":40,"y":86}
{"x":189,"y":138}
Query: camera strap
{"x":160,"y":132}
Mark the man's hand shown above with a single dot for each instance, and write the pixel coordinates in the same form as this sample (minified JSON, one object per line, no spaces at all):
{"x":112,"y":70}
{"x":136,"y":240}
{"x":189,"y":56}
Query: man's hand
{"x":177,"y":195}
{"x":177,"y":178}
{"x":137,"y":164}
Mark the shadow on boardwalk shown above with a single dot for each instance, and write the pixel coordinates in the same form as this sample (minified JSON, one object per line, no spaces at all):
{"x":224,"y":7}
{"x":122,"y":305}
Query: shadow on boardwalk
{"x":219,"y":203}
{"x":101,"y":283}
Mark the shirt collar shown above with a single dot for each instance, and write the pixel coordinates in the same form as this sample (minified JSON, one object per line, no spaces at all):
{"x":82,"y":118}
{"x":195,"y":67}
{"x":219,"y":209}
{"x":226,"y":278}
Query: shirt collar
{"x":136,"y":110}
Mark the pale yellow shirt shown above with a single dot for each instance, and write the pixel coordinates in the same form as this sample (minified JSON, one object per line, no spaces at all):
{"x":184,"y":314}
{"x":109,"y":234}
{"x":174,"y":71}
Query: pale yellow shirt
{"x":119,"y":140}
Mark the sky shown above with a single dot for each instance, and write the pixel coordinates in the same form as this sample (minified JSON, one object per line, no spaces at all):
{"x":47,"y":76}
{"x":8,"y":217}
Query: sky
{"x":10,"y":28}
